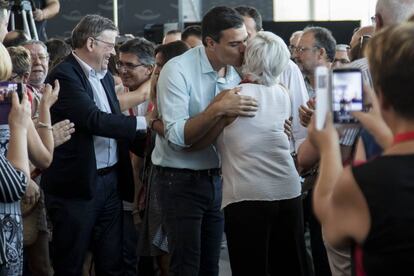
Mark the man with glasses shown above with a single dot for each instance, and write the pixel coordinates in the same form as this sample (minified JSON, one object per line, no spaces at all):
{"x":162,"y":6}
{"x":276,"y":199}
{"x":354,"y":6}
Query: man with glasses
{"x":40,"y":63}
{"x":315,"y":48}
{"x":135,"y":65}
{"x":293,"y":42}
{"x":81,"y":185}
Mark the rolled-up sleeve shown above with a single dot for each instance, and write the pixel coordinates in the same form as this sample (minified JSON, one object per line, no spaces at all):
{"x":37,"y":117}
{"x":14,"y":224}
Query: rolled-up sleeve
{"x":13,"y":182}
{"x":173,"y":100}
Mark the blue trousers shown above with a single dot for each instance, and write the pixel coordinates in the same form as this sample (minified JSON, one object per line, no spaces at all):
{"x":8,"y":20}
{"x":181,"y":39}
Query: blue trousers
{"x":190,"y":206}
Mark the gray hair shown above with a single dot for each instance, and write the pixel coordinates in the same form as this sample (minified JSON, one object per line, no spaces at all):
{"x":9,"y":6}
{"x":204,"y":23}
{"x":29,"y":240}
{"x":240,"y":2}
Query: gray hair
{"x":33,"y":42}
{"x":140,"y":47}
{"x":266,"y":56}
{"x":395,"y":11}
{"x":323,"y":39}
{"x":92,"y":25}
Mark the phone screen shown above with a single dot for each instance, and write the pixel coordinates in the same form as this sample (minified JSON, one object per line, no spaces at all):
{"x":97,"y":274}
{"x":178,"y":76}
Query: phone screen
{"x":6,"y":88}
{"x":346,"y":94}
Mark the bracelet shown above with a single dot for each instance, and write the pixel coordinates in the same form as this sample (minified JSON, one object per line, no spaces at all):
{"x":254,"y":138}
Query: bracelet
{"x":44,"y":125}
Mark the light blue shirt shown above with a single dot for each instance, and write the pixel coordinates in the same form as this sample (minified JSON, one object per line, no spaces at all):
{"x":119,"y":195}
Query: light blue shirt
{"x":186,"y":86}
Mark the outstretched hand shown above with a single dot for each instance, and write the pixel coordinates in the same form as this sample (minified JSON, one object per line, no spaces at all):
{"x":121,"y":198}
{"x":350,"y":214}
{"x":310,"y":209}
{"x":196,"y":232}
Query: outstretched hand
{"x":62,"y":132}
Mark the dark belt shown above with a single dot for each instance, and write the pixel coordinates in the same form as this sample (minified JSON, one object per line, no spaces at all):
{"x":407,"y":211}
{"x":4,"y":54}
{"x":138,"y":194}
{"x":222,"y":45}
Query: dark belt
{"x":208,"y":172}
{"x":105,"y":171}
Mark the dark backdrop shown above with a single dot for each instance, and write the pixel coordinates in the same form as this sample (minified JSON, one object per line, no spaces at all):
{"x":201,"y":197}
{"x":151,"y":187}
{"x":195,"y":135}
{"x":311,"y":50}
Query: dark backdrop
{"x":135,"y":14}
{"x":132,"y":17}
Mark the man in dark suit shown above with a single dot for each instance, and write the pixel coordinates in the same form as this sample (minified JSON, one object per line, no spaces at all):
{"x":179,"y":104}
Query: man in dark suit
{"x":82,"y":184}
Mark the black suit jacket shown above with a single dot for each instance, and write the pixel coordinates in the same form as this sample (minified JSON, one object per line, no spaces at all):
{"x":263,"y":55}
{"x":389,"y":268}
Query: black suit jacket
{"x":73,"y":170}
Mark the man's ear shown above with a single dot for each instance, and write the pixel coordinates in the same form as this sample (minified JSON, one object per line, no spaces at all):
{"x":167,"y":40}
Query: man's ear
{"x":322,"y":54}
{"x":90,"y":43}
{"x":210,"y":43}
{"x":379,"y":22}
{"x":25,"y":77}
{"x":149,"y":70}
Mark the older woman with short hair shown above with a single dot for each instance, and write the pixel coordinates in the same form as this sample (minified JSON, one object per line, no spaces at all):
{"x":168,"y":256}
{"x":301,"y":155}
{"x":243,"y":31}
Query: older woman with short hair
{"x":261,"y":187}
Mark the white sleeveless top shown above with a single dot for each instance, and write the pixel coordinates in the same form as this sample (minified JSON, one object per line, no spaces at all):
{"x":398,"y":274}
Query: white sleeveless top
{"x":255,"y":152}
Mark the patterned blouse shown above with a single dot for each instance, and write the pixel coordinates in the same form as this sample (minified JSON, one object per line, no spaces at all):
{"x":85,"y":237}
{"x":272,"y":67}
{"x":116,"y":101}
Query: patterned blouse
{"x":13,"y":185}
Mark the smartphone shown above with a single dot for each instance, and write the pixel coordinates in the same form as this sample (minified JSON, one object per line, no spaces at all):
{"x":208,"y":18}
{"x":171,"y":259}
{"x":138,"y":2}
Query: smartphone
{"x":6,"y":90}
{"x":323,"y":95}
{"x":347,"y":94}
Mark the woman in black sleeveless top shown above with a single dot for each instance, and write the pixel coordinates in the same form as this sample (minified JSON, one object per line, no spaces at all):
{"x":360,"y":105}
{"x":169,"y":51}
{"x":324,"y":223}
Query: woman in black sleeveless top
{"x":372,"y":204}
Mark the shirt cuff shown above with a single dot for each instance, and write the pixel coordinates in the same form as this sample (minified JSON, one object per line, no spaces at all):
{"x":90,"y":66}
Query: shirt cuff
{"x":175,"y":135}
{"x":141,"y":123}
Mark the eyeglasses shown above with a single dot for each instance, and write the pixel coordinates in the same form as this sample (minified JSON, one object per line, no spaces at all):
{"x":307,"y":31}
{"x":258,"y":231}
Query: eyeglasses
{"x":41,"y":57}
{"x":127,"y":65}
{"x":292,"y":48}
{"x":301,"y":50}
{"x":108,"y":44}
{"x":341,"y":60}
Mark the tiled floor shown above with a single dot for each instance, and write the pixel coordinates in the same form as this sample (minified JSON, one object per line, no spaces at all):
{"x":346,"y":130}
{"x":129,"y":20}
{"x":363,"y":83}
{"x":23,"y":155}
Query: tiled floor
{"x":224,"y":263}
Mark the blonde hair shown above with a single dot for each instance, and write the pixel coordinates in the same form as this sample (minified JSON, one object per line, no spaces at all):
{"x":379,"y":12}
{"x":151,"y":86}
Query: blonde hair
{"x":5,"y":63}
{"x":21,"y":60}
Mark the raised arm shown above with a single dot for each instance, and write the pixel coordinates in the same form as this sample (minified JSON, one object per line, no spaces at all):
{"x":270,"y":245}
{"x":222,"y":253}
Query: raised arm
{"x":15,"y":170}
{"x":133,"y":98}
{"x":40,"y":142}
{"x":76,"y":105}
{"x":51,"y":10}
{"x":338,"y":203}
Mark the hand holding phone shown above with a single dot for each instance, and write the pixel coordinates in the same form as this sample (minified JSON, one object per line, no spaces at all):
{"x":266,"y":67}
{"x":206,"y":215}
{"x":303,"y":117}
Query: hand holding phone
{"x":347,"y":94}
{"x":322,"y":84}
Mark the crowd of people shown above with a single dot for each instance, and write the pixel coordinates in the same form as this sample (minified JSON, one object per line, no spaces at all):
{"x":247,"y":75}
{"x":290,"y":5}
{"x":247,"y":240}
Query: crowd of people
{"x":122,"y":157}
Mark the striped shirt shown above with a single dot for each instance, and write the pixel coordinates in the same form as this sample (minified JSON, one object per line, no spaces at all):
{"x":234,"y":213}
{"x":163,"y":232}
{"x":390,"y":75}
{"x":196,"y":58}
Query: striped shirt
{"x":13,"y":185}
{"x":12,"y":182}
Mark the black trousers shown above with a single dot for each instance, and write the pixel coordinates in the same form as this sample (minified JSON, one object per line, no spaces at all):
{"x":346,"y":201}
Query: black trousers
{"x":82,"y":225}
{"x":190,"y":206}
{"x":266,"y":237}
{"x":319,"y":256}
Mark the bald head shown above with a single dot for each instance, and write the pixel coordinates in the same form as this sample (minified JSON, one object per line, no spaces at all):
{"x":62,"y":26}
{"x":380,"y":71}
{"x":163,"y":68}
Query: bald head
{"x":390,"y":12}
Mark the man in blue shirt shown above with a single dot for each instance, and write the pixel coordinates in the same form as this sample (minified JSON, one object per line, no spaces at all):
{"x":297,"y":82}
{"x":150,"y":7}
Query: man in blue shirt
{"x":190,"y":104}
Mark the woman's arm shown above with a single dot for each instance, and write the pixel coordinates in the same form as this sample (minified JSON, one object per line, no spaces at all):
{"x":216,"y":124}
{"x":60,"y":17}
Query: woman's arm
{"x":338,"y":203}
{"x":15,"y":170}
{"x":130,"y":99}
{"x":40,"y":142}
